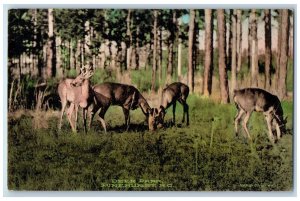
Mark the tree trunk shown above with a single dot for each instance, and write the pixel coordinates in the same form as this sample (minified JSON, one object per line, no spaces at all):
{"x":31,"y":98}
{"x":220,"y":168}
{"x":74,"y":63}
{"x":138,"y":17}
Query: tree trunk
{"x":50,"y":46}
{"x":234,"y":48}
{"x":278,"y":50}
{"x":137,"y":48}
{"x":87,"y":43}
{"x":170,"y":47}
{"x":254,"y":55}
{"x":179,"y":61}
{"x":154,"y":51}
{"x":239,"y":39}
{"x":283,"y":53}
{"x":129,"y":42}
{"x":159,"y":53}
{"x":59,"y":68}
{"x":208,"y":65}
{"x":222,"y":55}
{"x":268,"y":54}
{"x":190,"y":50}
{"x":291,"y":40}
{"x":229,"y":47}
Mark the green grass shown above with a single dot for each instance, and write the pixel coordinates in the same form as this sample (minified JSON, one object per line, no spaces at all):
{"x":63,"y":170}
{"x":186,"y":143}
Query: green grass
{"x":206,"y":156}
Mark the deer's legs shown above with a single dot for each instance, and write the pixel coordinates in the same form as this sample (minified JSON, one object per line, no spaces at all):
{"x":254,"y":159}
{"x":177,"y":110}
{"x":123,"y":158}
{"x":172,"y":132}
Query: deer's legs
{"x":69,"y":114}
{"x":269,"y":124}
{"x":101,"y":117}
{"x":84,"y":116}
{"x":185,"y":111}
{"x":63,"y":103}
{"x":278,"y":131}
{"x":127,"y":118}
{"x":76,"y":117}
{"x":246,"y":119}
{"x":95,"y":109}
{"x":174,"y":109}
{"x":237,"y":119}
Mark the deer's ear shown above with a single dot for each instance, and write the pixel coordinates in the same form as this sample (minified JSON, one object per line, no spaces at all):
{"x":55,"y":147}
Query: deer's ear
{"x":162,"y":110}
{"x":150,"y":111}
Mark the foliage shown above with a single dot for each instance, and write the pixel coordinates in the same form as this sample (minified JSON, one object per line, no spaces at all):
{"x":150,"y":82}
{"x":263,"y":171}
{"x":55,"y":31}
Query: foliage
{"x":206,"y":156}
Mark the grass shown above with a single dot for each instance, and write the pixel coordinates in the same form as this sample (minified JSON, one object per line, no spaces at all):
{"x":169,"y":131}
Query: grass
{"x":206,"y":156}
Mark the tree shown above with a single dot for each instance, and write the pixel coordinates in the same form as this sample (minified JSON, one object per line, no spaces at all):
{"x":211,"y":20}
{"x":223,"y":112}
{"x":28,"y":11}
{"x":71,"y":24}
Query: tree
{"x":171,"y":40}
{"x":208,"y":65}
{"x":154,"y":50}
{"x":279,"y":37}
{"x":268,"y":54}
{"x":129,"y":39}
{"x":253,"y":49}
{"x":239,"y":39}
{"x":190,"y":50}
{"x":222,"y":56}
{"x":234,"y":50}
{"x":283,"y":53}
{"x":51,"y":63}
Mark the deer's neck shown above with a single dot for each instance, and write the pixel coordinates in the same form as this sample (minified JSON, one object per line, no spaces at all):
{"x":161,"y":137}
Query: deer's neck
{"x":143,"y":104}
{"x":85,"y":92}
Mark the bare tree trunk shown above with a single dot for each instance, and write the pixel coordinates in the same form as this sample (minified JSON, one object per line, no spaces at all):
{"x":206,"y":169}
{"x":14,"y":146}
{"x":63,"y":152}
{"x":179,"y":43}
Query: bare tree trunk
{"x":137,"y":48}
{"x":268,"y":54}
{"x":129,"y":42}
{"x":291,"y":40}
{"x":276,"y":79}
{"x":34,"y":45}
{"x":87,"y":43}
{"x":154,"y":51}
{"x":254,"y":55}
{"x":239,"y":39}
{"x":59,"y":68}
{"x":190,"y":49}
{"x":208,"y":65}
{"x":283,"y":53}
{"x":170,"y":47}
{"x":51,"y":46}
{"x":234,"y":48}
{"x":179,"y":61}
{"x":229,"y":47}
{"x":72,"y":55}
{"x":159,"y":52}
{"x":222,"y":55}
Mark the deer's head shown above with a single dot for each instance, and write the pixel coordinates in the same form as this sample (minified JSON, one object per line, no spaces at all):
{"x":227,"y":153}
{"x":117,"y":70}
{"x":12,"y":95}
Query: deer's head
{"x":160,"y":117}
{"x":156,"y":118}
{"x":85,"y":73}
{"x":151,"y":119}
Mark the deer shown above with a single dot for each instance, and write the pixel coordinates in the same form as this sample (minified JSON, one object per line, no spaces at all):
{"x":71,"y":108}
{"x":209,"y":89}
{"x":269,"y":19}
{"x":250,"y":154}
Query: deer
{"x":249,"y":100}
{"x":126,"y":96}
{"x":77,"y":92}
{"x":174,"y":92}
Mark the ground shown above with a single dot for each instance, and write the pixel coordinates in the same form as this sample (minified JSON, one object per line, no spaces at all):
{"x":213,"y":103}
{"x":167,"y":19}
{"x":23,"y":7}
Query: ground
{"x":205,"y":156}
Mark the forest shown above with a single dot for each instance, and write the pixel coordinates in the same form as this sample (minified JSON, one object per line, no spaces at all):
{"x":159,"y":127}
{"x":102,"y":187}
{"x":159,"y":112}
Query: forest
{"x":213,"y":51}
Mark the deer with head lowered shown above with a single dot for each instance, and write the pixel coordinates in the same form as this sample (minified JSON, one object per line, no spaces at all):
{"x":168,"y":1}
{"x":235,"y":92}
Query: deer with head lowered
{"x":126,"y":96}
{"x":174,"y":92}
{"x":77,"y":92}
{"x":253,"y":99}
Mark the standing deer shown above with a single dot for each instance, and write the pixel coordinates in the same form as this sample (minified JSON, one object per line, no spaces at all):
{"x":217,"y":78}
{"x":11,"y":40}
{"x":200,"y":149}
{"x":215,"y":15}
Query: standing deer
{"x":77,"y":92}
{"x":253,"y":99}
{"x":126,"y":96}
{"x":176,"y":91}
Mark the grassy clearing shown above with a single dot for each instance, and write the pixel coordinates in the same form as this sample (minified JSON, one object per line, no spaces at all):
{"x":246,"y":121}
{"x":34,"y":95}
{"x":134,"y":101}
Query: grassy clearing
{"x":204,"y":156}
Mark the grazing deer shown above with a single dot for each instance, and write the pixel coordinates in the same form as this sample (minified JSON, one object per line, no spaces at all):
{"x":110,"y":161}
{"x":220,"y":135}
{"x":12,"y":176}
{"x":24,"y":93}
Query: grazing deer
{"x":126,"y":96}
{"x":77,"y":92}
{"x":253,"y":99}
{"x":176,"y":91}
